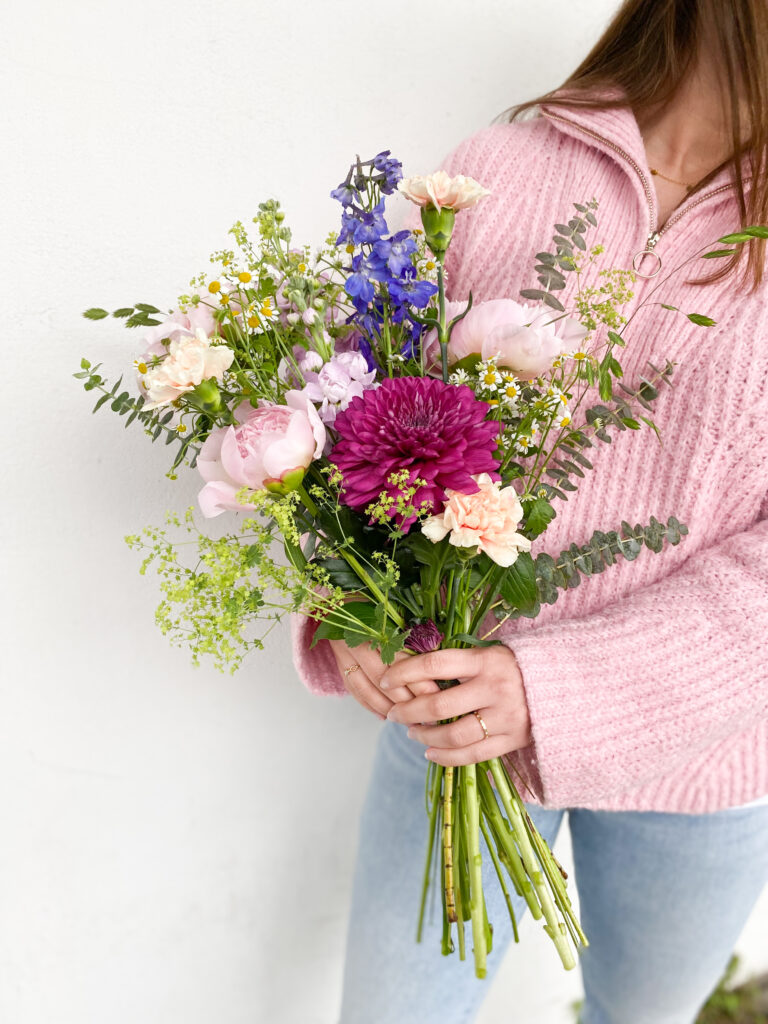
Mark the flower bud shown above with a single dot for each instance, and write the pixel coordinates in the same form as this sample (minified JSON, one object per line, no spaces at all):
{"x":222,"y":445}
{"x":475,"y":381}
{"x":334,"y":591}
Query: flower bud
{"x":287,"y":482}
{"x":207,"y":397}
{"x":438,"y":228}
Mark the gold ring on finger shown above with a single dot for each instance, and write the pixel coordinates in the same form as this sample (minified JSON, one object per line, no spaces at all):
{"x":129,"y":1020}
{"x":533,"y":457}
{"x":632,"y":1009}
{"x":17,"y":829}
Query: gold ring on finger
{"x":479,"y":717}
{"x":349,"y":669}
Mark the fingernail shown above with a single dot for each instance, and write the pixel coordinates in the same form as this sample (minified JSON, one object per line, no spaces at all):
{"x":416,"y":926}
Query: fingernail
{"x":382,"y":717}
{"x":409,"y":734}
{"x":384,"y":683}
{"x":391,"y":715}
{"x":427,"y":755}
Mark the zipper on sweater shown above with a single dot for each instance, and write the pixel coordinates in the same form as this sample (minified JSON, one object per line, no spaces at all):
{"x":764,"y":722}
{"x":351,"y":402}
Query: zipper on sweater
{"x":653,"y":235}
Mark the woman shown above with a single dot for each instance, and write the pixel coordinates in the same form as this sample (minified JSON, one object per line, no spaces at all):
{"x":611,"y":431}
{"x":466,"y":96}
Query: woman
{"x":638,"y":704}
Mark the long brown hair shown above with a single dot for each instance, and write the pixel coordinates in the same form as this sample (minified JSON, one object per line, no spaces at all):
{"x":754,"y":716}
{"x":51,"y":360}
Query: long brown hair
{"x":648,"y":49}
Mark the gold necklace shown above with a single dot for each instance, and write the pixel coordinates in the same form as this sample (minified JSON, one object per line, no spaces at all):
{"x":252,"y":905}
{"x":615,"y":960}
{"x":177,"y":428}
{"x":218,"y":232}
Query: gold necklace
{"x":674,"y":181}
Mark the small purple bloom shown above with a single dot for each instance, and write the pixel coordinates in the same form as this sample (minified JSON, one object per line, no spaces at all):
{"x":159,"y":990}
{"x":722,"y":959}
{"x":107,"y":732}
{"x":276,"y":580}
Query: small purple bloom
{"x":396,"y":251}
{"x":390,"y":172}
{"x":370,"y":225}
{"x":345,"y":194}
{"x":424,"y":637}
{"x":412,"y":291}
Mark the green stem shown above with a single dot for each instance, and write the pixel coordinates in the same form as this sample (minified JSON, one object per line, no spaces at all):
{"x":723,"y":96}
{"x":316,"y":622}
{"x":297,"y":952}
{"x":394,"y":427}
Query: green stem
{"x":376,"y":591}
{"x":434,"y":813}
{"x":500,"y":875}
{"x":504,"y":837}
{"x":469,"y":791}
{"x":442,"y":331}
{"x":448,"y":882}
{"x":554,"y":926}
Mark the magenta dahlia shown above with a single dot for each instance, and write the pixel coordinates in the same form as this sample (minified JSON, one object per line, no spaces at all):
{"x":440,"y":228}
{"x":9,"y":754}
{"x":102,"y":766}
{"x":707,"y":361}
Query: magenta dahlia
{"x":437,"y":431}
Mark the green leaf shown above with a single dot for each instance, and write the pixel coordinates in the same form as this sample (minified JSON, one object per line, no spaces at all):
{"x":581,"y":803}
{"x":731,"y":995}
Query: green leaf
{"x":336,"y":625}
{"x":700,"y":320}
{"x":393,"y":643}
{"x":423,"y":549}
{"x":717,"y":254}
{"x":745,"y":235}
{"x":675,"y":309}
{"x":652,"y":425}
{"x":629,"y":422}
{"x":101,"y":401}
{"x":554,"y":303}
{"x":122,"y":312}
{"x":95,"y":313}
{"x":85,"y":364}
{"x":616,"y":338}
{"x":538,"y":515}
{"x":146,"y":308}
{"x":518,"y":584}
{"x":474,"y":641}
{"x":605,"y":384}
{"x":340,"y":573}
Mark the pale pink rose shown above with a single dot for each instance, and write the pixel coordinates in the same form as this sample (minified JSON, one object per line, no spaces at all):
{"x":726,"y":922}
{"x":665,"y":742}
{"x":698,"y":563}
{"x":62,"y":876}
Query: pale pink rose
{"x":443,"y":191}
{"x":271,"y":445}
{"x":487,"y":520}
{"x":524,"y":339}
{"x":191,"y":359}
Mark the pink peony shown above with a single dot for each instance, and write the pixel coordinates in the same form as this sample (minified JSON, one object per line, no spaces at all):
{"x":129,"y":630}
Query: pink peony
{"x":436,"y":431}
{"x":270,"y":448}
{"x":487,"y":519}
{"x":190,"y":359}
{"x":442,"y":191}
{"x":523,"y":338}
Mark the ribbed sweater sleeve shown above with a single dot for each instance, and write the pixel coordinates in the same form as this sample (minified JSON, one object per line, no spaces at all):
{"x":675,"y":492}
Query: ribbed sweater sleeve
{"x":628,"y":696}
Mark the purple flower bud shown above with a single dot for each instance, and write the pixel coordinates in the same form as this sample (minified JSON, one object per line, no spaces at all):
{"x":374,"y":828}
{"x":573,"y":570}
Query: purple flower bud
{"x":424,"y":637}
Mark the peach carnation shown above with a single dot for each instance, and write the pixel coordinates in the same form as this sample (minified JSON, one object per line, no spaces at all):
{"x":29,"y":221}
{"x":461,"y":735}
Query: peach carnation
{"x":442,"y":191}
{"x":487,"y":520}
{"x":191,"y":359}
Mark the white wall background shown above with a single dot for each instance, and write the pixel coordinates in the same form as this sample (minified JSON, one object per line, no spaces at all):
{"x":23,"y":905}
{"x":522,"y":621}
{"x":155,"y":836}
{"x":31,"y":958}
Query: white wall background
{"x":154,"y":819}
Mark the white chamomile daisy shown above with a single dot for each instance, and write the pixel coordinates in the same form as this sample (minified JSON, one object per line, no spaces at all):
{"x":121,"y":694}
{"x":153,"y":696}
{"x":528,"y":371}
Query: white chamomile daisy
{"x":427,"y":267}
{"x":510,"y":387}
{"x":557,"y":395}
{"x":459,"y":376}
{"x":489,"y":377}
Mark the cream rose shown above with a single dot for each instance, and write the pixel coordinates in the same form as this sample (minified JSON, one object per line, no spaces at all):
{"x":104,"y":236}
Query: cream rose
{"x":191,"y":359}
{"x":486,"y":520}
{"x":442,"y":191}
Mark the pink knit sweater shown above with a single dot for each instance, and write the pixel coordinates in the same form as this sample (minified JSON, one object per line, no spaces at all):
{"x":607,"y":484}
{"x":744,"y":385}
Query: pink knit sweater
{"x":647,"y":685}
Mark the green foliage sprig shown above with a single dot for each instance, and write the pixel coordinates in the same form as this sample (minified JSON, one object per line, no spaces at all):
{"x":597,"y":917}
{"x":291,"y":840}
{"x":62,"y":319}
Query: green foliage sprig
{"x":156,"y":422}
{"x":600,"y":552}
{"x":552,"y":267}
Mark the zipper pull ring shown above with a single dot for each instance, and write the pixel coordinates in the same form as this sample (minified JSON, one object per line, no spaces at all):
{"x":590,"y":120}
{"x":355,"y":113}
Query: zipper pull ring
{"x":652,"y":268}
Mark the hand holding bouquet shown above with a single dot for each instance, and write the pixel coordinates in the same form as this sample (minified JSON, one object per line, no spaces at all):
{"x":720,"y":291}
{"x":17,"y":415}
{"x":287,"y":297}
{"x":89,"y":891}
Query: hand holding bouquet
{"x":392,"y":459}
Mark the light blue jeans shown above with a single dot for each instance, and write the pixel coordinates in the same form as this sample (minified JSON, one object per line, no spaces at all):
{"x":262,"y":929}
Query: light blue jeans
{"x":663,"y":900}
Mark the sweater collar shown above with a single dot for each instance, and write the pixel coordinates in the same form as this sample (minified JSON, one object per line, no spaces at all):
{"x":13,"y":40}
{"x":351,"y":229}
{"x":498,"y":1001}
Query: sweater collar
{"x":615,"y":132}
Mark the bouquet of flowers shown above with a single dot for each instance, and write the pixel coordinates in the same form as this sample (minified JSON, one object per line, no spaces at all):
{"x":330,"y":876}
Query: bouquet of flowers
{"x":389,"y":459}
